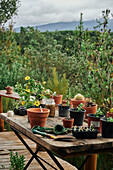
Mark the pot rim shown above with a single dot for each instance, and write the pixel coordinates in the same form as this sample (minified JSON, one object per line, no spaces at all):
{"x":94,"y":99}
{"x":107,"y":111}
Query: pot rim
{"x":38,"y":110}
{"x":75,"y":110}
{"x":104,"y":119}
{"x":94,"y":115}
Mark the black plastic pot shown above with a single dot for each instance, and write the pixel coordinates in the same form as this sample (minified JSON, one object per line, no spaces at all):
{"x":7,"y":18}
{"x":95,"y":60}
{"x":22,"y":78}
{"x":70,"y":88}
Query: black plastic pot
{"x":63,"y":110}
{"x":20,"y":111}
{"x":84,"y":134}
{"x":16,"y":111}
{"x":78,"y":116}
{"x":107,"y":128}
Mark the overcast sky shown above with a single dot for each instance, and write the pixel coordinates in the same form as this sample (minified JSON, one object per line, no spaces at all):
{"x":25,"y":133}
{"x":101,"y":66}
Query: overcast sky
{"x":38,"y":12}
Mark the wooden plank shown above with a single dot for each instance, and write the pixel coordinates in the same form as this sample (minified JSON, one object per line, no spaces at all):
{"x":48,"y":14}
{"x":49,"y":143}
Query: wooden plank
{"x":10,"y":142}
{"x":14,"y":95}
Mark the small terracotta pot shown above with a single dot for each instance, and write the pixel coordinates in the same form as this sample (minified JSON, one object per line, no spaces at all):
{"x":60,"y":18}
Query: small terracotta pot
{"x":68,"y":123}
{"x":36,"y":117}
{"x":58,"y":99}
{"x":76,"y":103}
{"x":109,"y":114}
{"x":8,"y":90}
{"x":91,"y":110}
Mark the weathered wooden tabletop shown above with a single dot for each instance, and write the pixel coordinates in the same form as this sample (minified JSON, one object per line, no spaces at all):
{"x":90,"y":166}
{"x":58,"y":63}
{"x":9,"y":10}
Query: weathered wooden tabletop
{"x":64,"y":149}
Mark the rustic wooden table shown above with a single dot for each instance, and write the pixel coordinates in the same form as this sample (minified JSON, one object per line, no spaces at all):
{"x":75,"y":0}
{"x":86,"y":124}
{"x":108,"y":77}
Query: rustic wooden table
{"x":61,"y":148}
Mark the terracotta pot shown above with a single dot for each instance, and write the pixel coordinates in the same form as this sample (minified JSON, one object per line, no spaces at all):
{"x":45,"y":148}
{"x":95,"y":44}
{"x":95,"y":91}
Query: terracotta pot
{"x":76,"y":103}
{"x":58,"y":99}
{"x":109,"y":114}
{"x":95,"y":121}
{"x":68,"y":123}
{"x":8,"y":90}
{"x":36,"y":117}
{"x":90,"y":110}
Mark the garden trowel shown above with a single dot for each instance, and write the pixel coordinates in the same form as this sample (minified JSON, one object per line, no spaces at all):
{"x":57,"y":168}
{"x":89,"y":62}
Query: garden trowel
{"x":59,"y":137}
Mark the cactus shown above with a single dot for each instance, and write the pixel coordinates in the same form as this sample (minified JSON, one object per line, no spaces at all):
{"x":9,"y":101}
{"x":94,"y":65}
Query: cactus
{"x":111,"y":110}
{"x":78,"y":97}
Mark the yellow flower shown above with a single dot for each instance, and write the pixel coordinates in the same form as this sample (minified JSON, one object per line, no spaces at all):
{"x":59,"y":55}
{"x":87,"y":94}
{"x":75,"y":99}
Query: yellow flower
{"x":44,"y":82}
{"x":23,"y":102}
{"x":21,"y":91}
{"x":28,"y":90}
{"x":67,"y":49}
{"x":27,"y":78}
{"x":37,"y":103}
{"x":26,"y":87}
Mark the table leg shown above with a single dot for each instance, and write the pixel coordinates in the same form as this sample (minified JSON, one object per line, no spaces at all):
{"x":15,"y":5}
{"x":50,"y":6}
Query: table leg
{"x":36,"y":156}
{"x":91,"y":163}
{"x":1,"y":121}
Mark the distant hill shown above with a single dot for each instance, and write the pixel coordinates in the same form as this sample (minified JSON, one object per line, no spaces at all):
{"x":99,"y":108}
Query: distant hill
{"x":61,"y":26}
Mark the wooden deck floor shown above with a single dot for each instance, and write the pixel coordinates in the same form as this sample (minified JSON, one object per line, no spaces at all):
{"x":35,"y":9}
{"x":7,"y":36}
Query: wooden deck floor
{"x":9,"y":142}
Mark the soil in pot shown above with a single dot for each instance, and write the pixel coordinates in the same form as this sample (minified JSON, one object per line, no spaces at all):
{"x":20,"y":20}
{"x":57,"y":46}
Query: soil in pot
{"x":107,"y":128}
{"x":68,"y":122}
{"x":63,"y":110}
{"x":90,"y":108}
{"x":78,"y":116}
{"x":36,"y":117}
{"x":94,"y":119}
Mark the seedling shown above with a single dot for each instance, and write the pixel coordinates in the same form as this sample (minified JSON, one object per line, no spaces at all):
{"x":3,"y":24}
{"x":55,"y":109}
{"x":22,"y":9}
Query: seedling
{"x":110,"y":119}
{"x":79,"y":108}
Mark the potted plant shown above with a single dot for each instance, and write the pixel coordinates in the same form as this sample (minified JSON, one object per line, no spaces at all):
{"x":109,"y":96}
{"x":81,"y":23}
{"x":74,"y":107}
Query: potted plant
{"x":68,"y":122}
{"x":31,"y":93}
{"x":107,"y":127}
{"x":94,"y":119}
{"x":110,"y":113}
{"x":58,"y":87}
{"x":77,"y":100}
{"x":64,"y":107}
{"x":38,"y":116}
{"x":78,"y":114}
{"x":84,"y":132}
{"x":8,"y":90}
{"x":90,"y":107}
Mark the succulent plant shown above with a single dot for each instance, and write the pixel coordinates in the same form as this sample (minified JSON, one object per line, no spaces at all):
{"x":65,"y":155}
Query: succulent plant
{"x":79,"y":97}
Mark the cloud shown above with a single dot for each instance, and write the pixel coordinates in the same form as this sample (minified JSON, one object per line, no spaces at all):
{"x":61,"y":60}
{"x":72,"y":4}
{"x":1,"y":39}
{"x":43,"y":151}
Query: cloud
{"x":37,"y":12}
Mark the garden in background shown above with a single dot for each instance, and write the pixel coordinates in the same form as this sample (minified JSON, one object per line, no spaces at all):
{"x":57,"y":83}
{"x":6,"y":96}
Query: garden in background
{"x":84,"y":58}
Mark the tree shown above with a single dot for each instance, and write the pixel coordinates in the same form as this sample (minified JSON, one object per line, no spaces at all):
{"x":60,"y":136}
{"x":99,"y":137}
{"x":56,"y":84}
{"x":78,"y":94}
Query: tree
{"x":8,"y":8}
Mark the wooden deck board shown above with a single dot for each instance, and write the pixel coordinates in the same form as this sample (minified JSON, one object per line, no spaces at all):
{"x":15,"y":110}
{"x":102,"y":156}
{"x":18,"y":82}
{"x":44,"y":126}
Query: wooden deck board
{"x":9,"y":142}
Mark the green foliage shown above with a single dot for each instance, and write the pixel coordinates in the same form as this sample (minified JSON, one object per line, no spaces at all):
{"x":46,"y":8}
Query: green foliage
{"x":110,"y":119}
{"x":8,"y":8}
{"x":30,"y":88}
{"x":59,"y":86}
{"x":16,"y":162}
{"x":84,"y":56}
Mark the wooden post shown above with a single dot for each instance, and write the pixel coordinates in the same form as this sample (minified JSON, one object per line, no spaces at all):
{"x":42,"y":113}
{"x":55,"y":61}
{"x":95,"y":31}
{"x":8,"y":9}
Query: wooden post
{"x":91,"y":163}
{"x":1,"y":121}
